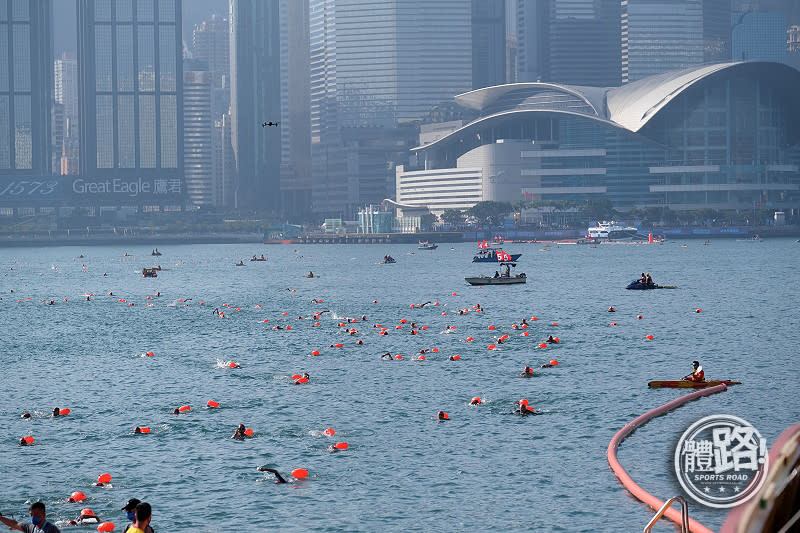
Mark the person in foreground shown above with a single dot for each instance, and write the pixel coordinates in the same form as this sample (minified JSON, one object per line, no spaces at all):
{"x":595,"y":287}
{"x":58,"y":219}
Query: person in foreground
{"x":130,"y":511}
{"x":697,"y":374}
{"x":38,"y":523}
{"x":141,"y":522}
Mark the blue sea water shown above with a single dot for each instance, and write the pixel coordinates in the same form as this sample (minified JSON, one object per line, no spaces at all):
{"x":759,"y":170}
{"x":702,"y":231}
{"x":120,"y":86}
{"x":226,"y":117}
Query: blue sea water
{"x":483,"y":469}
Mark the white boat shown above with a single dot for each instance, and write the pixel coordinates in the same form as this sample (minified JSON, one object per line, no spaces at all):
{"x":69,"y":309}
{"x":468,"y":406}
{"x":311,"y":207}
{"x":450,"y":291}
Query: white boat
{"x":611,"y":231}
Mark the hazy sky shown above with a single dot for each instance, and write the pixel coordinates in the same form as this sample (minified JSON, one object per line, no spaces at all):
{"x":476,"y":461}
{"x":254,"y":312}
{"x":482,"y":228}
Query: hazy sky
{"x":65,"y":24}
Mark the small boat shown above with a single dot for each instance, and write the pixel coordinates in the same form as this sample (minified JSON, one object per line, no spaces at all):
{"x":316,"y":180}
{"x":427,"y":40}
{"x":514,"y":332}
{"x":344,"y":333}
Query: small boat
{"x":262,"y":258}
{"x":637,"y":285}
{"x":155,"y":252}
{"x":754,"y":238}
{"x":686,"y":384}
{"x":499,"y":279}
{"x":387,"y":260}
{"x":150,"y":272}
{"x":427,"y":245}
{"x":490,"y":256}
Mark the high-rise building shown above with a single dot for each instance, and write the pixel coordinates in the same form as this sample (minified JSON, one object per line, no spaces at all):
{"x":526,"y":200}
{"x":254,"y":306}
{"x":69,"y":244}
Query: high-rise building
{"x":488,"y":43}
{"x":533,"y":40}
{"x":26,"y":85}
{"x":376,"y":69}
{"x":758,"y":36}
{"x":716,"y":30}
{"x":131,"y":96}
{"x":255,"y":99}
{"x":211,"y":43}
{"x":295,"y":126}
{"x":584,"y":42}
{"x":659,"y":36}
{"x":66,"y":102}
{"x":197,"y":132}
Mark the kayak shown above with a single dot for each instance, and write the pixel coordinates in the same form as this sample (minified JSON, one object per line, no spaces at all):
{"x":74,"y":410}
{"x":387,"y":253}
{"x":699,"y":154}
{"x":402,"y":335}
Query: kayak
{"x":686,"y":384}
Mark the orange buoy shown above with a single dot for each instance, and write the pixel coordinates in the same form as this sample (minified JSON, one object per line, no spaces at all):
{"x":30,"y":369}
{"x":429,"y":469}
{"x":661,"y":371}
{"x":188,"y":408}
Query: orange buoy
{"x":105,"y":527}
{"x":639,"y":317}
{"x":554,"y":324}
{"x":299,"y":473}
{"x":212,"y":404}
{"x":534,"y":318}
{"x":649,"y":337}
{"x":414,"y":332}
{"x":288,"y":327}
{"x":435,"y":350}
{"x":28,"y":439}
{"x":86,"y":511}
{"x":340,"y":446}
{"x":297,"y":376}
{"x":301,"y":380}
{"x":492,"y":346}
{"x":141,"y":429}
{"x":384,"y":332}
{"x":542,"y":345}
{"x":470,"y":339}
{"x":421,"y":358}
{"x":316,"y":324}
{"x":523,"y":401}
{"x":492,"y":327}
{"x":338,"y":345}
{"x":403,"y":321}
{"x":285,"y":313}
{"x":553,"y":362}
{"x":265,"y":320}
{"x":523,"y":326}
{"x":455,"y":357}
{"x":233,"y":365}
{"x":613,"y":324}
{"x":475,"y":401}
{"x":330,"y":432}
{"x":104,"y":478}
{"x":150,"y":354}
{"x":248,"y":432}
{"x":435,"y":303}
{"x":398,"y":327}
{"x":63,"y":411}
{"x":424,"y":328}
{"x":239,"y":309}
{"x":454,"y":294}
{"x":184,"y":408}
{"x":314,"y":352}
{"x":398,"y":357}
{"x":504,"y":337}
{"x":556,"y":339}
{"x":444,"y":313}
{"x":77,"y":496}
{"x":443,"y":416}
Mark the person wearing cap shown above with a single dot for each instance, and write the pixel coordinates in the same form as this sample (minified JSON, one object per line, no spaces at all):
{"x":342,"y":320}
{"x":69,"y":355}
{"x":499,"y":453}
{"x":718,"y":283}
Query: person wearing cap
{"x":38,"y":523}
{"x":697,"y":374}
{"x":131,"y":509}
{"x":87,"y":516}
{"x":141,"y":523}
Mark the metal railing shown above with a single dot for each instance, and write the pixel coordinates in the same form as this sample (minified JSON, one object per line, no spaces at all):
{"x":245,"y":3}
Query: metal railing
{"x":667,"y":505}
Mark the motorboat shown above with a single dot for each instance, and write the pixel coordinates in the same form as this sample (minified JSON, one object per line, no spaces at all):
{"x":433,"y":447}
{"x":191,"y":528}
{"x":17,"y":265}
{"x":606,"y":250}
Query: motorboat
{"x":611,"y":231}
{"x":427,"y":245}
{"x":686,"y":384}
{"x":155,"y":252}
{"x":150,"y":272}
{"x":387,"y":260}
{"x":504,"y":278}
{"x":487,"y":254}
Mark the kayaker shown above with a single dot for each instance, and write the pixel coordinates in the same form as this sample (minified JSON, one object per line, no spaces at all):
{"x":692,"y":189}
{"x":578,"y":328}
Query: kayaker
{"x":697,"y":374}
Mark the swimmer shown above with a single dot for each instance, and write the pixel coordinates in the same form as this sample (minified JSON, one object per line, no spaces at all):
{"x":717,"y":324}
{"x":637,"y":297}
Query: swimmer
{"x":424,"y":351}
{"x":359,"y":342}
{"x":387,"y":356}
{"x":423,"y":305}
{"x":527,"y":373}
{"x":87,"y":516}
{"x":547,"y":365}
{"x":23,"y":442}
{"x":87,"y":299}
{"x":56,"y":412}
{"x":551,"y":340}
{"x":176,"y":411}
{"x":523,"y":409}
{"x":332,"y":448}
{"x":305,"y":376}
{"x":26,"y":414}
{"x":454,"y":357}
{"x":441,"y":415}
{"x":278,"y":477}
{"x":363,"y":318}
{"x":414,"y":325}
{"x":239,"y":433}
{"x":137,"y":430}
{"x":475,"y":401}
{"x":215,"y":311}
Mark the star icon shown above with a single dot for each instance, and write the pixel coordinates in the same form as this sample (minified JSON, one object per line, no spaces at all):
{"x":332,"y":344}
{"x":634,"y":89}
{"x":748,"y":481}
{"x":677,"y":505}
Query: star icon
{"x":707,"y":489}
{"x":722,"y":489}
{"x":736,"y":489}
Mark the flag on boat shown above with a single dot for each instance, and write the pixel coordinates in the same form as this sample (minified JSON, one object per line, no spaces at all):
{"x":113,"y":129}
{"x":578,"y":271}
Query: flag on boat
{"x":503,"y":257}
{"x":483,"y":245}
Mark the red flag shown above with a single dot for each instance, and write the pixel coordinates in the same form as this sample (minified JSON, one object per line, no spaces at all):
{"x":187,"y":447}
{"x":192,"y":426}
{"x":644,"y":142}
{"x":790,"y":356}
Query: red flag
{"x":503,"y":257}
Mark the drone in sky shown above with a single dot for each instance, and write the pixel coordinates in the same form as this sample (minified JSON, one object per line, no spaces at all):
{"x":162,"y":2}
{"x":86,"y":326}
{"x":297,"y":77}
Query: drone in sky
{"x":270,"y":123}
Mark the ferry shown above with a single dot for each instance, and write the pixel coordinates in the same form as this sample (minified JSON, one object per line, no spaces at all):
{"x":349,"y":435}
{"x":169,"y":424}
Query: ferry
{"x":611,"y":231}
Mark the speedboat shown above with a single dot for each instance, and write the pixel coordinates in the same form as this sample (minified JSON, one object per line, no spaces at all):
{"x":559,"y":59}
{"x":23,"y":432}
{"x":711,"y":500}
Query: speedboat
{"x":499,"y":279}
{"x":611,"y":231}
{"x":490,"y":256}
{"x":427,"y":245}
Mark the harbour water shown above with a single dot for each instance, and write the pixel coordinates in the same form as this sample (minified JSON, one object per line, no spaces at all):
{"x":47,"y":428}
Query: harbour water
{"x":483,"y":469}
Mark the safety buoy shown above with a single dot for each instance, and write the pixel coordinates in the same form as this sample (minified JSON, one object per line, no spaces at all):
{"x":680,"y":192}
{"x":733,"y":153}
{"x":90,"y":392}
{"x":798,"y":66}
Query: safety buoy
{"x":329,"y":432}
{"x":104,"y":478}
{"x":341,"y":445}
{"x":553,"y":362}
{"x":248,"y":432}
{"x":212,"y":404}
{"x":299,"y":473}
{"x":314,"y":352}
{"x":542,"y":345}
{"x":184,"y":408}
{"x":28,"y":439}
{"x":491,"y":347}
{"x":105,"y":527}
{"x":649,"y":337}
{"x":77,"y":496}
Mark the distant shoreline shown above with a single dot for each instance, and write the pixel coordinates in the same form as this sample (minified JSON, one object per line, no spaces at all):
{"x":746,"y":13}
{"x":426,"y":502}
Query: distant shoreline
{"x":137,"y":240}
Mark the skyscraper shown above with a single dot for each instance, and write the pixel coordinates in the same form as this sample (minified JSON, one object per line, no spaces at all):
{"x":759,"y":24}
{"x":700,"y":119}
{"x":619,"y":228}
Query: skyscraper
{"x":26,"y":85}
{"x":211,"y":43}
{"x":533,"y":40}
{"x":131,"y":92}
{"x":295,"y":116}
{"x":255,"y":98}
{"x":584,"y":42}
{"x":66,"y":97}
{"x":197,"y":132}
{"x":758,"y":36}
{"x":488,"y":43}
{"x":376,"y":68}
{"x":660,"y":35}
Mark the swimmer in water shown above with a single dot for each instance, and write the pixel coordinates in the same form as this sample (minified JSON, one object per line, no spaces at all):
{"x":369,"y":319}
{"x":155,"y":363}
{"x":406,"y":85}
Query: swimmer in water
{"x":523,"y":409}
{"x":527,"y":373}
{"x":87,"y":516}
{"x":306,"y":376}
{"x":387,"y":356}
{"x":424,"y":351}
{"x":359,"y":342}
{"x":454,"y":357}
{"x":278,"y":477}
{"x":547,"y":365}
{"x":23,"y":442}
{"x":239,"y":433}
{"x":176,"y":411}
{"x":56,"y":412}
{"x":551,"y":340}
{"x":26,"y":414}
{"x":332,"y":448}
{"x":441,"y":415}
{"x":475,"y":401}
